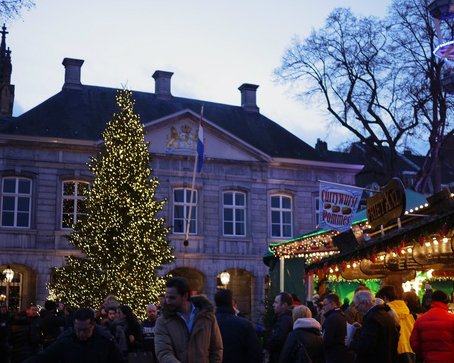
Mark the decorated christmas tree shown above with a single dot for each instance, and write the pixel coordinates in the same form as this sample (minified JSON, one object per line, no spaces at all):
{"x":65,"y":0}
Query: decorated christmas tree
{"x":123,"y":241}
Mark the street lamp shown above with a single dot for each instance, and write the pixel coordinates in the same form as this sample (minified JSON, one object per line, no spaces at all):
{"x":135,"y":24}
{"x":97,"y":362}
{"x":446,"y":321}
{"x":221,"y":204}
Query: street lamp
{"x":9,"y":275}
{"x":225,"y":278}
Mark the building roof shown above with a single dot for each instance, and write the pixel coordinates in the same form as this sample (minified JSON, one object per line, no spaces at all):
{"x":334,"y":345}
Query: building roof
{"x":83,"y":114}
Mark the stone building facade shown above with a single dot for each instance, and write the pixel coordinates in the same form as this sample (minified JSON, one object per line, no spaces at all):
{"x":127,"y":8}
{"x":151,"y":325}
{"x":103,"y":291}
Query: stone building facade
{"x":259,"y":184}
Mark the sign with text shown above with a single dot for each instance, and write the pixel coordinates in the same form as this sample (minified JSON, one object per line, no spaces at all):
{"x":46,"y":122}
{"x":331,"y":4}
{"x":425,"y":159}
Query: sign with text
{"x":338,"y":205}
{"x":387,"y":205}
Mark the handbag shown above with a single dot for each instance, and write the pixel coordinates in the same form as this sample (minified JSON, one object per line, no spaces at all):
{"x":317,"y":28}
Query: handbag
{"x":300,"y":354}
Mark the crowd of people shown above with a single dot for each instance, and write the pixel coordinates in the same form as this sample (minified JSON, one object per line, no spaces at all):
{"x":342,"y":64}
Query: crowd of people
{"x":385,"y":328}
{"x":60,"y":333}
{"x":180,"y":328}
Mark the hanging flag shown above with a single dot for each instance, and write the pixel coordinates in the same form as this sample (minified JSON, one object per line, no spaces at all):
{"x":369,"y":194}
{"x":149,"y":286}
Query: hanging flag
{"x":200,"y":146}
{"x":338,"y":205}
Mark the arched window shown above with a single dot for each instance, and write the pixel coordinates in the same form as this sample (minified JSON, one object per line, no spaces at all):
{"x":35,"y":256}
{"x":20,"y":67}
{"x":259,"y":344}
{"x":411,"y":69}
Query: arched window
{"x":281,"y":216}
{"x":16,"y":202}
{"x":234,"y":213}
{"x":11,"y":292}
{"x":74,"y":207}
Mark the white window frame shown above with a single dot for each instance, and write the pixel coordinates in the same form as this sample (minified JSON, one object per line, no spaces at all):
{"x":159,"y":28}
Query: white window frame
{"x":234,"y":207}
{"x":16,"y":195}
{"x":316,"y":210}
{"x":185,"y":204}
{"x":74,"y":197}
{"x":281,"y":210}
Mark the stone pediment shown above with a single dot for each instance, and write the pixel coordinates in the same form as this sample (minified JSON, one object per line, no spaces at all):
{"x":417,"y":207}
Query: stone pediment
{"x":178,"y":134}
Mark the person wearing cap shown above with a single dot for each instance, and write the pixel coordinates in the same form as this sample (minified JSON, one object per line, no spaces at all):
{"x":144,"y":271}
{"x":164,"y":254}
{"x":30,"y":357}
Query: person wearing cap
{"x":432,"y":337}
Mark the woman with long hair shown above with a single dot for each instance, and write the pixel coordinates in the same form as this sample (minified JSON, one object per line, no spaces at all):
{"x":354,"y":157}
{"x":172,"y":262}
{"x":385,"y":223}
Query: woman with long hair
{"x":131,"y":327}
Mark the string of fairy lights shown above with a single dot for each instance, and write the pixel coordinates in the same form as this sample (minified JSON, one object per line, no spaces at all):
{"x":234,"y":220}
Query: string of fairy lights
{"x":318,"y":246}
{"x":122,"y":240}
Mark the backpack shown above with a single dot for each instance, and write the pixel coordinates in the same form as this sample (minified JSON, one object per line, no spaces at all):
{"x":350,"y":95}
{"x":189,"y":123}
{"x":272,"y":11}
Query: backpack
{"x":300,"y":354}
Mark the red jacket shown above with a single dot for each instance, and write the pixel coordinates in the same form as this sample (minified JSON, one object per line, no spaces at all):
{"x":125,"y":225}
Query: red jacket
{"x":432,"y":337}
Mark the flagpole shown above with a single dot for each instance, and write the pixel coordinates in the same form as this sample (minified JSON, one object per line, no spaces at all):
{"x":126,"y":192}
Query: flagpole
{"x":196,"y":159}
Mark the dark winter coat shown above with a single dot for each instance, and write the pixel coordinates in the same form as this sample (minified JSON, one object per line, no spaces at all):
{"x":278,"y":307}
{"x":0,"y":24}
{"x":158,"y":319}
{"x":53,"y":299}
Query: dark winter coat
{"x":378,"y":338}
{"x":281,"y":329}
{"x":334,"y":333}
{"x":99,"y":348}
{"x":241,"y":343}
{"x":25,"y":337}
{"x":308,"y":332}
{"x":174,"y":343}
{"x":432,"y":337}
{"x":4,"y":331}
{"x":51,"y":327}
{"x":132,"y":327}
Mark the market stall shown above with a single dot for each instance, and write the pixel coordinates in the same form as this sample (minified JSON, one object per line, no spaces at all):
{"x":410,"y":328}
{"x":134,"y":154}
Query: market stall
{"x":406,"y":249}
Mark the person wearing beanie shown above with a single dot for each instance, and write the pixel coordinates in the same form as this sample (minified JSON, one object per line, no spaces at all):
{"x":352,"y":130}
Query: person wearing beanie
{"x":432,"y":337}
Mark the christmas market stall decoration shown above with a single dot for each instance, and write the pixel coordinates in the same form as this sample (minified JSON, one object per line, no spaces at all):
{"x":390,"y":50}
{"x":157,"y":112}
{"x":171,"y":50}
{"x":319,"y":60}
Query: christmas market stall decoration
{"x":413,"y":245}
{"x":422,"y":241}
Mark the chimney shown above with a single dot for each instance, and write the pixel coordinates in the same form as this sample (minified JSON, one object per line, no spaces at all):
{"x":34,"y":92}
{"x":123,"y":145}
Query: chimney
{"x":321,"y":146}
{"x":249,"y":97}
{"x":162,"y":85}
{"x":72,"y":73}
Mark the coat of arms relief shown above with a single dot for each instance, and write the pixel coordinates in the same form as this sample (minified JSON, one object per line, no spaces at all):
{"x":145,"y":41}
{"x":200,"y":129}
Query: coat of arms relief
{"x":183,"y":140}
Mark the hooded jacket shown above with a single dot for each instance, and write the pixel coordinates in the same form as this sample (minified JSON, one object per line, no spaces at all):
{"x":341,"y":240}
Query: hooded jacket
{"x":433,"y":335}
{"x":308,"y":332}
{"x":174,"y":343}
{"x":406,"y":322}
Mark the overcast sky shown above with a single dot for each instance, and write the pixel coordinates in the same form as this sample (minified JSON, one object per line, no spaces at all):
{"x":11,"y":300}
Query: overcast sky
{"x":211,"y":46}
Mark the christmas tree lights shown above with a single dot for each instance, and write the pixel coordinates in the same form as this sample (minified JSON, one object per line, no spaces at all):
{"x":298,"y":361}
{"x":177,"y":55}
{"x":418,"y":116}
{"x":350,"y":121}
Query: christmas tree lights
{"x":123,"y":241}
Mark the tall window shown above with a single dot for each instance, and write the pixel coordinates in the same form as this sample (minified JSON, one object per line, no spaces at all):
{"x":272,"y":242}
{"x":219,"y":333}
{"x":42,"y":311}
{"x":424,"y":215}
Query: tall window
{"x":16,"y":202}
{"x":234,"y":213}
{"x":74,"y":206}
{"x":281,"y":216}
{"x":181,"y":198}
{"x":316,"y":211}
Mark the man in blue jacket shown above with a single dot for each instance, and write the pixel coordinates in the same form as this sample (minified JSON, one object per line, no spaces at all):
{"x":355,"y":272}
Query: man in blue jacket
{"x":241,"y":343}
